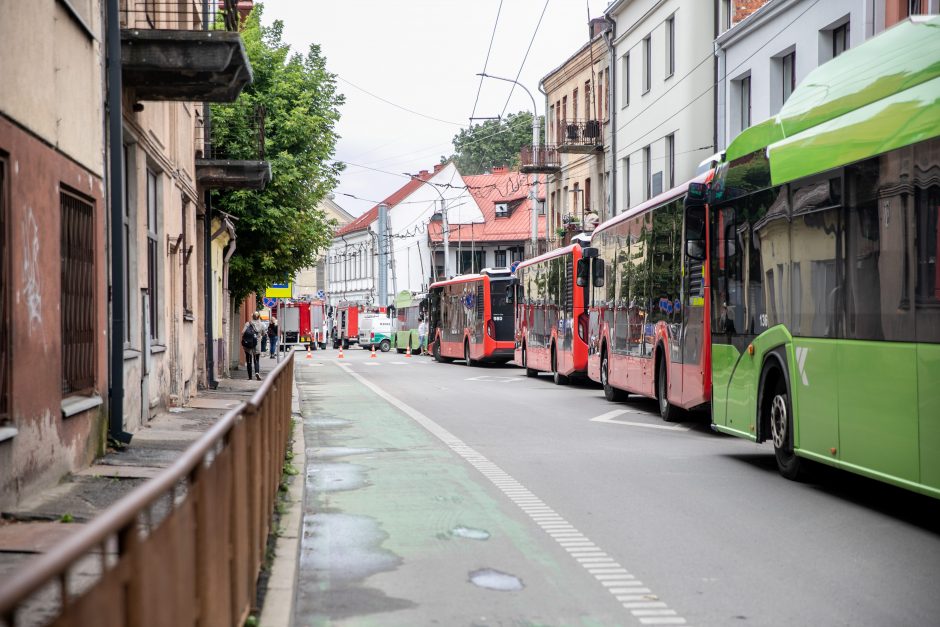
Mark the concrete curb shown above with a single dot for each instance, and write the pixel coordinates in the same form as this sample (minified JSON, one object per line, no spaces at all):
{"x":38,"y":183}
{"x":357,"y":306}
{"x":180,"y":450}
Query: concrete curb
{"x":278,"y":608}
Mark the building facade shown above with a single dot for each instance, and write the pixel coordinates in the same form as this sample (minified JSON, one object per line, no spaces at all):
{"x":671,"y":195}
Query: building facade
{"x":310,"y":281}
{"x":577,"y":122}
{"x":663,"y":104}
{"x":53,"y":301}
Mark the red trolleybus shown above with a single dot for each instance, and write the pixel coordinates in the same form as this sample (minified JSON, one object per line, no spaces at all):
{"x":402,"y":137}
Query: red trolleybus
{"x":551,"y":318}
{"x":647,"y":323}
{"x":472,"y":318}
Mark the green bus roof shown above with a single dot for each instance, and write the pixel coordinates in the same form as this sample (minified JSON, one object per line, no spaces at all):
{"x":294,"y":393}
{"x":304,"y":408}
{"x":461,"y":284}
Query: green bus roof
{"x":881,"y":95}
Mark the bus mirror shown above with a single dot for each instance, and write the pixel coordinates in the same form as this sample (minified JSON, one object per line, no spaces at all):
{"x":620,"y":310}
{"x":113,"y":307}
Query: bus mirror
{"x":695,"y":249}
{"x":598,"y":273}
{"x":588,"y":252}
{"x":584,"y":272}
{"x":697,"y":191}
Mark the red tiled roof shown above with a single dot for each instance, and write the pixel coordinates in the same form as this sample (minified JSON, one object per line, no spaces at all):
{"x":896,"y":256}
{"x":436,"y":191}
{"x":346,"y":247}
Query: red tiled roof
{"x":370,"y":216}
{"x":487,"y":190}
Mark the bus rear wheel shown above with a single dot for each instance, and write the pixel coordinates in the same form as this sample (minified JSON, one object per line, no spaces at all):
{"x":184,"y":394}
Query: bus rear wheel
{"x":557,"y":377}
{"x":466,"y":354}
{"x":611,"y":393}
{"x":780,"y":417}
{"x":668,"y":412}
{"x":529,"y":372}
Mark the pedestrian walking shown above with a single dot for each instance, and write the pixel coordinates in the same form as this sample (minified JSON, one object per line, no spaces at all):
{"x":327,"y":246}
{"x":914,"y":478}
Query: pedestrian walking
{"x":272,"y":336}
{"x":264,"y":336}
{"x":423,"y":335}
{"x":251,"y":342}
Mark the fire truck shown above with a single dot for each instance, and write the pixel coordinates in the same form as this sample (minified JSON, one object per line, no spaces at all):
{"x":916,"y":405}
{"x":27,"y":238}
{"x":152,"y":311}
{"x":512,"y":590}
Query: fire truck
{"x":301,"y":323}
{"x":346,"y":319}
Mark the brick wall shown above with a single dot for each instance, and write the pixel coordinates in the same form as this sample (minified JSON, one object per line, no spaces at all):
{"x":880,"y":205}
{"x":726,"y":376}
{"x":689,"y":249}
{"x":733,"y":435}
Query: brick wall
{"x":743,"y":8}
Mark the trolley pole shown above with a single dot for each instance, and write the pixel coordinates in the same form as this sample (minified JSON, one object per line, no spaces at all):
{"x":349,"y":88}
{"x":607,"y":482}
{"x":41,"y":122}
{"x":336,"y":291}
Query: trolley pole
{"x":383,"y":255}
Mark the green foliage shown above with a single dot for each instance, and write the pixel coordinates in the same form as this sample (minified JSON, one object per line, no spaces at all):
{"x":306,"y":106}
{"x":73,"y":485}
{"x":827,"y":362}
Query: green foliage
{"x":493,"y":143}
{"x":279,"y":229}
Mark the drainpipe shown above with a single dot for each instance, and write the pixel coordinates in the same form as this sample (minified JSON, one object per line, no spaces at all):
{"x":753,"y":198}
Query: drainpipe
{"x":116,"y":191}
{"x":211,"y":383}
{"x":609,"y":35}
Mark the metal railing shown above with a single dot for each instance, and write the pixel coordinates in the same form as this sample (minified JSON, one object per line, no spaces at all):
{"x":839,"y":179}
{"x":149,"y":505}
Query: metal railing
{"x":580,"y":133}
{"x":543,"y":157}
{"x":185,"y":548}
{"x":177,"y":15}
{"x":239,"y":138}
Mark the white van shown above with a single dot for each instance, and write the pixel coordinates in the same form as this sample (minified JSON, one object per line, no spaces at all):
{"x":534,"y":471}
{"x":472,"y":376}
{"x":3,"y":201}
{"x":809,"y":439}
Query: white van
{"x":375,"y":332}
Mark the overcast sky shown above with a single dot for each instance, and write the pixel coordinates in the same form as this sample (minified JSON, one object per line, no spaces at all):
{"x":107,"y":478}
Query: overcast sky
{"x":423,"y":55}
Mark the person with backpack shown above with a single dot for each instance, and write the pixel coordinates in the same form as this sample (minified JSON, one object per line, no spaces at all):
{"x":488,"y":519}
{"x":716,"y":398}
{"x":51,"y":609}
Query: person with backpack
{"x":251,"y":342}
{"x":272,"y":336}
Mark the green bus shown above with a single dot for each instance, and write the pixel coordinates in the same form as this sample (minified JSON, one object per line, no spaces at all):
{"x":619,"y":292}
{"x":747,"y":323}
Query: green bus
{"x":408,"y":312}
{"x":823,"y":274}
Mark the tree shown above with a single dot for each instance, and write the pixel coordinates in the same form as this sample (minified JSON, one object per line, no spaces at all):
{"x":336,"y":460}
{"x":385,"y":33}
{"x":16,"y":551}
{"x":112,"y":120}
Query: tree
{"x":279,"y":229}
{"x":493,"y":143}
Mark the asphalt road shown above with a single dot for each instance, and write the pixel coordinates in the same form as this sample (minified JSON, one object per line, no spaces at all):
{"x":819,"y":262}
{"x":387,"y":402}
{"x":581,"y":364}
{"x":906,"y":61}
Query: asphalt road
{"x":450,"y":495}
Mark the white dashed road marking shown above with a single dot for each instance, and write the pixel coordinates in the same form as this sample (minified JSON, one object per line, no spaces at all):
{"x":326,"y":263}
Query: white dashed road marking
{"x":610,"y":417}
{"x":639,"y":600}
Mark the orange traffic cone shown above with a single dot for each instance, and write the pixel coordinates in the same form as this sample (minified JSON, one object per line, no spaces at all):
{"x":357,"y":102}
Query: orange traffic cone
{"x":372,"y":356}
{"x":309,"y":355}
{"x":340,"y":356}
{"x":408,"y":352}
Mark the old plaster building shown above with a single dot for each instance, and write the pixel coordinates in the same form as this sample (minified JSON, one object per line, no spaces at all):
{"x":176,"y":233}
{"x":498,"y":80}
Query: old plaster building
{"x":310,"y":281}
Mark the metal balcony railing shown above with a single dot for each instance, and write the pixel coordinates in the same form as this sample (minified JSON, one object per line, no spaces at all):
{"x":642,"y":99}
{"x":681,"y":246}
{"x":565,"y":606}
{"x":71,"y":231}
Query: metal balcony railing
{"x":179,"y":15}
{"x":185,"y":548}
{"x":239,"y":138}
{"x":544,"y":159}
{"x":583,"y":133}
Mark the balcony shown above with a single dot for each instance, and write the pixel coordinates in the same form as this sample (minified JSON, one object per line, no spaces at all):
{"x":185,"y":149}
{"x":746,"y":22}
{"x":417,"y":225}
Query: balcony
{"x":580,"y":136}
{"x":235,"y":166}
{"x":168,"y":52}
{"x":542,"y":160}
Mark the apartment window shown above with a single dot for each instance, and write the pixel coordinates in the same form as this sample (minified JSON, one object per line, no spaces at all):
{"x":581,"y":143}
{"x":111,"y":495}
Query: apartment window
{"x":625,"y":70}
{"x":578,"y":203}
{"x":648,"y":171}
{"x":77,"y":308}
{"x":788,"y":74}
{"x":589,"y":113}
{"x":625,"y":173}
{"x":564,"y":200}
{"x":186,"y":252}
{"x":670,"y":161}
{"x":744,"y":85}
{"x":587,"y":195}
{"x":647,"y":62}
{"x":670,"y":46}
{"x":153,"y":258}
{"x":500,"y":259}
{"x":4,"y":300}
{"x":558,"y":122}
{"x":127,"y":248}
{"x":564,"y":109}
{"x":601,"y":114}
{"x":551,"y":120}
{"x":725,"y":15}
{"x":840,"y":40}
{"x":607,"y":93}
{"x":574,"y":104}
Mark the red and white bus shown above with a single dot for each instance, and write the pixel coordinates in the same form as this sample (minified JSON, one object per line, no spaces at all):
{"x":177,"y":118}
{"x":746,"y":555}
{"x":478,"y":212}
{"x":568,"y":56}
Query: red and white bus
{"x":471,"y":318}
{"x":648,"y":317}
{"x":551,"y":314}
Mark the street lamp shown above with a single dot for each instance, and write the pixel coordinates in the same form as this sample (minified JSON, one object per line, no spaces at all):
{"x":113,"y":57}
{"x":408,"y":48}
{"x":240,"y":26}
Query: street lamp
{"x":534,"y":184}
{"x":445,"y":229}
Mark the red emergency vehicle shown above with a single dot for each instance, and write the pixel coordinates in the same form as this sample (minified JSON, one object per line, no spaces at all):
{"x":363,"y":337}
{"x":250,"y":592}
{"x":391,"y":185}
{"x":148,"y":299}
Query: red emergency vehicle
{"x":346,"y":321}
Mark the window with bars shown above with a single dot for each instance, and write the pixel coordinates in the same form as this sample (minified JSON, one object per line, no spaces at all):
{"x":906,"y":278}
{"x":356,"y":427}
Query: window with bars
{"x":4,"y":298}
{"x":153,"y":258}
{"x":78,"y":294}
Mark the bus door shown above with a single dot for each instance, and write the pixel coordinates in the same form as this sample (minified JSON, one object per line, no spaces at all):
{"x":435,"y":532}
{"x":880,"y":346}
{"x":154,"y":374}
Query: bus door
{"x":501,"y":311}
{"x":693,"y":334}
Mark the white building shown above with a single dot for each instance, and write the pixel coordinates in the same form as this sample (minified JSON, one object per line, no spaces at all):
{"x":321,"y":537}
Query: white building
{"x":353,"y":258}
{"x":662,"y":75}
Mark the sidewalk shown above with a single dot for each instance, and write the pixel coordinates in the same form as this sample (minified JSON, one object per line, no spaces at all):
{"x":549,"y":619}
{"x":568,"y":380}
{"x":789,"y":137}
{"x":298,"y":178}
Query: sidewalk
{"x":53,"y":514}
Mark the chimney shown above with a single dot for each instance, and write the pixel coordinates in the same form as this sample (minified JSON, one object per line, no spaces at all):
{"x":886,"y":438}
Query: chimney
{"x":423,"y":174}
{"x":244,"y":8}
{"x":597,"y":26}
{"x":439,"y":167}
{"x":500,"y":169}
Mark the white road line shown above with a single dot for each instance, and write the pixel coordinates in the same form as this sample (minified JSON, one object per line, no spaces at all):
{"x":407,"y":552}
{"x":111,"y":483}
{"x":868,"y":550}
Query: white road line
{"x":610,"y":418}
{"x":616,"y":579}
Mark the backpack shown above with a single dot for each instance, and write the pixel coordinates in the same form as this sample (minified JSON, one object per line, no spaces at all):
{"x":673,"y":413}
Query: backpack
{"x":249,"y":338}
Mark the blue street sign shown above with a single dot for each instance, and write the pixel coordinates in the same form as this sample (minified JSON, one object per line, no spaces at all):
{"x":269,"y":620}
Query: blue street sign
{"x":321,"y":294}
{"x":270,"y":303}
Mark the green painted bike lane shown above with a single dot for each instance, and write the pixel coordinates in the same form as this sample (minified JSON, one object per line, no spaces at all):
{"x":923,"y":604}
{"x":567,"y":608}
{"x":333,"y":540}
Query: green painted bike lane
{"x":397,"y":525}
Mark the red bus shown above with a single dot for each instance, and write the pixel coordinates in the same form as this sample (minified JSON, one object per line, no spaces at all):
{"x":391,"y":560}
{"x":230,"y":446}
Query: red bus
{"x":471,"y":318}
{"x":551,"y":317}
{"x":648,"y":322}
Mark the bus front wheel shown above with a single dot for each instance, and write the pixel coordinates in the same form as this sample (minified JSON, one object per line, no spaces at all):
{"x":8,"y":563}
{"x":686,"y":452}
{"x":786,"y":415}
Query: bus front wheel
{"x":780,"y":417}
{"x":611,"y":393}
{"x":557,"y":377}
{"x":668,"y":412}
{"x":437,"y":354}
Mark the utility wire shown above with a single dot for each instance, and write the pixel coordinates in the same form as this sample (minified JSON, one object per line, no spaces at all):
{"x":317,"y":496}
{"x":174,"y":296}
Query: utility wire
{"x":486,"y":62}
{"x":398,"y":106}
{"x":522,"y":65}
